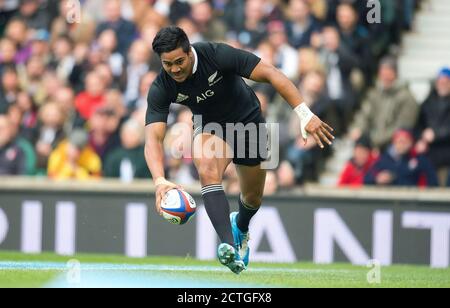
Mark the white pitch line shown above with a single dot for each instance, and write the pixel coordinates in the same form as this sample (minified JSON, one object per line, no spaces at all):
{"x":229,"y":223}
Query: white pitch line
{"x":55,"y":266}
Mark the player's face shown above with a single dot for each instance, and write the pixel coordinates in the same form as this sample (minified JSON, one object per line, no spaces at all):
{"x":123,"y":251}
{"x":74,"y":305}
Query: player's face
{"x":178,"y":64}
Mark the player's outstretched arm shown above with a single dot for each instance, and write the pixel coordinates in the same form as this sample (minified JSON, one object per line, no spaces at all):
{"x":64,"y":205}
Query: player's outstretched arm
{"x":154,"y":155}
{"x":310,"y":123}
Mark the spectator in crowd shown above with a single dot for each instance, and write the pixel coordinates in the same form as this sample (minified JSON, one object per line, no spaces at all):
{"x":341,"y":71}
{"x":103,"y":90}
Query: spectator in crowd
{"x":82,"y":67}
{"x":191,"y":29}
{"x":107,"y":43}
{"x":137,"y":67}
{"x":9,"y":88}
{"x":434,"y":124}
{"x":50,"y":133}
{"x":12,"y":158}
{"x":28,"y":116}
{"x":96,"y":9}
{"x":40,"y":45}
{"x":339,"y":62}
{"x":301,"y":23}
{"x":286,"y":57}
{"x":104,"y":127}
{"x":17,"y":31}
{"x":174,"y":10}
{"x":23,"y":137}
{"x":388,"y":107}
{"x":359,"y":5}
{"x":62,"y":61}
{"x":266,"y":51}
{"x":74,"y":159}
{"x":127,"y":162}
{"x":125,"y":30}
{"x":148,"y":33}
{"x":105,"y":73}
{"x":303,"y":159}
{"x":7,"y":9}
{"x":52,"y":8}
{"x":252,"y":29}
{"x":309,"y":60}
{"x":274,"y":10}
{"x":15,"y":116}
{"x":33,"y":15}
{"x":357,"y":168}
{"x":210,"y":28}
{"x":232,"y":12}
{"x":318,"y":9}
{"x":31,"y":79}
{"x":8,"y":52}
{"x":51,"y":83}
{"x":144,"y":86}
{"x":400,"y":165}
{"x":313,"y":88}
{"x":65,"y":98}
{"x":92,"y":98}
{"x":355,"y":37}
{"x":114,"y":100}
{"x":141,"y":12}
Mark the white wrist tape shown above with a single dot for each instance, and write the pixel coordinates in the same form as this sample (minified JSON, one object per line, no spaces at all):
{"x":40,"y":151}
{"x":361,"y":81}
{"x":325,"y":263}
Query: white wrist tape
{"x":305,"y":115}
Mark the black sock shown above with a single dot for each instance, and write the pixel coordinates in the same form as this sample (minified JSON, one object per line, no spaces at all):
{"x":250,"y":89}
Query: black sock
{"x":218,"y":209}
{"x":246,"y":213}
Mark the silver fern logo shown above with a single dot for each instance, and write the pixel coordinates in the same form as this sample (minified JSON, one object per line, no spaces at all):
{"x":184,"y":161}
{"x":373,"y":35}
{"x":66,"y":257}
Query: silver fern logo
{"x":212,"y":80}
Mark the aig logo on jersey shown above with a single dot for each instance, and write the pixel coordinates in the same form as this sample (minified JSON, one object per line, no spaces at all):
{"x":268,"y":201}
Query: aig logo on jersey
{"x":212,"y":80}
{"x":205,"y":96}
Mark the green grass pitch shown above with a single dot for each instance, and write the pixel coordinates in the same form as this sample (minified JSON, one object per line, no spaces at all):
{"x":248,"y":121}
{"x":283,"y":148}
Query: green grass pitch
{"x":49,"y":270}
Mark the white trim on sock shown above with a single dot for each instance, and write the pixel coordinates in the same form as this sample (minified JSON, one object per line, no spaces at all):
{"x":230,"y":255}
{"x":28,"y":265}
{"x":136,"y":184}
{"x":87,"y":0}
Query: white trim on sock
{"x":211,"y":188}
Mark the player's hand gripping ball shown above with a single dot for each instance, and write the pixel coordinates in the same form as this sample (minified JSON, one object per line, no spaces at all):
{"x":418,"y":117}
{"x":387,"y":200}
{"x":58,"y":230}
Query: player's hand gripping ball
{"x":178,"y":207}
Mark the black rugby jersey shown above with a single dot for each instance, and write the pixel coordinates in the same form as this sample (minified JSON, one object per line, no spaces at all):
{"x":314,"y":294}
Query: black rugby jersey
{"x":216,"y":90}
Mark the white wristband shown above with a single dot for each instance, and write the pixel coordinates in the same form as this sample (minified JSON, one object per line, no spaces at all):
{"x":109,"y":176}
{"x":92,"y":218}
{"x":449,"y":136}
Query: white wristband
{"x":305,"y":115}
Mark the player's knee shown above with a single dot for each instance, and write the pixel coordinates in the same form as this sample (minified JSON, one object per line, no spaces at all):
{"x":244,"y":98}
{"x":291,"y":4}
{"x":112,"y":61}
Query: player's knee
{"x":209,"y":173}
{"x":252,"y":199}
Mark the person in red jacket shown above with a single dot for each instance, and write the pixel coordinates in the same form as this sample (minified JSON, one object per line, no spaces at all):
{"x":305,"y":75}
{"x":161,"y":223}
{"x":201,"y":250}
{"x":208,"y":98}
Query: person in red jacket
{"x":92,"y":98}
{"x":356,"y":169}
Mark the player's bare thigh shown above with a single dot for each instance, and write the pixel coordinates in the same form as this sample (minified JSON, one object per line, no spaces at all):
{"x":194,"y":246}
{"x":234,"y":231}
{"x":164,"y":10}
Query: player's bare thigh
{"x":212,"y":156}
{"x":252,"y":181}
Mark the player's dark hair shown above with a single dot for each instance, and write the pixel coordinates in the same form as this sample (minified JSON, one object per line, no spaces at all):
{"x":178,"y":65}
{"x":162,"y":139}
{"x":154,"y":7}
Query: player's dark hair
{"x":170,"y":38}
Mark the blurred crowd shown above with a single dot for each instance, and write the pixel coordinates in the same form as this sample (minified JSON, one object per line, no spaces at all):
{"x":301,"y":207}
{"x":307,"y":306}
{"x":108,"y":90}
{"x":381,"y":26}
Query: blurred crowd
{"x":75,"y":77}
